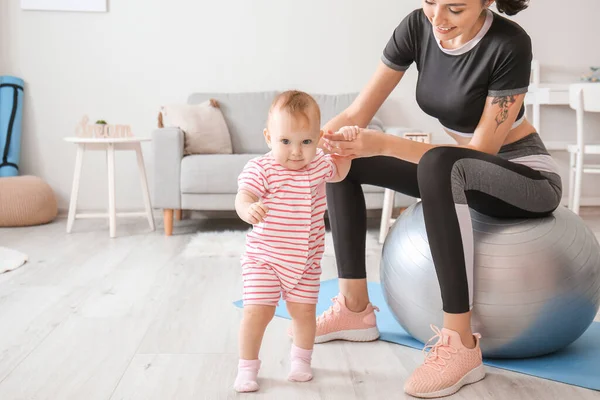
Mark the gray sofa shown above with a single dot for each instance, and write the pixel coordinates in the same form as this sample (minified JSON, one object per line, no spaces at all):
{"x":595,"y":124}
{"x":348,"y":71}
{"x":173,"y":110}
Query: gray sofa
{"x":209,"y":181}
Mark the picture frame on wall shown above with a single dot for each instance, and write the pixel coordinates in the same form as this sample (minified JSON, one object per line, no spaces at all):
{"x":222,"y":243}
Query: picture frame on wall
{"x":65,"y":5}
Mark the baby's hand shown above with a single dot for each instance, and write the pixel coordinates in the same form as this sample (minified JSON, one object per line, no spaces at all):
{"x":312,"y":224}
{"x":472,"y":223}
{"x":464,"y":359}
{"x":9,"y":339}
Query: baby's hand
{"x":350,"y":132}
{"x":256,"y":213}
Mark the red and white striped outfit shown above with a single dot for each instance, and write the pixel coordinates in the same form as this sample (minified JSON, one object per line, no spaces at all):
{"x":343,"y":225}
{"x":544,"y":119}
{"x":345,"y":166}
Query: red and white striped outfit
{"x":283,"y":253}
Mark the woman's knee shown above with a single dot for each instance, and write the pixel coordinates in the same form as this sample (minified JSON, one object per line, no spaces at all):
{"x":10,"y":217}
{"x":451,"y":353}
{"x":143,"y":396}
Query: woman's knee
{"x":438,"y":162}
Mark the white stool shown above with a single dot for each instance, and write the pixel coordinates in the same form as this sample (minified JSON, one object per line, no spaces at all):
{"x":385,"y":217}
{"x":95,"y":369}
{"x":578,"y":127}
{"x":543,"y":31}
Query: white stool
{"x":110,"y":145}
{"x":388,"y":195}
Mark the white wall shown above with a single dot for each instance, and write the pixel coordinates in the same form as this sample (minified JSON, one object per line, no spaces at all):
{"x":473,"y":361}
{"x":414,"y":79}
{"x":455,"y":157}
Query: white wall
{"x":3,"y":37}
{"x":122,"y":65}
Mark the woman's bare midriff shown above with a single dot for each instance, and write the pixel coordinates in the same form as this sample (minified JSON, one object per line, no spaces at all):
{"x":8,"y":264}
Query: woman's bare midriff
{"x":524,"y":129}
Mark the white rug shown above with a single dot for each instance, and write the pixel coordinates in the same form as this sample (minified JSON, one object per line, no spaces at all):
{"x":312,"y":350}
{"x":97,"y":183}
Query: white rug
{"x":216,"y":244}
{"x":231,"y":244}
{"x":11,"y":259}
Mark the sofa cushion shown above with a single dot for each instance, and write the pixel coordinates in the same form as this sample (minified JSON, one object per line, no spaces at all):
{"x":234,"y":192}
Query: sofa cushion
{"x":212,"y":173}
{"x":203,"y":125}
{"x":333,"y":104}
{"x":245,"y":115}
{"x":217,"y":173}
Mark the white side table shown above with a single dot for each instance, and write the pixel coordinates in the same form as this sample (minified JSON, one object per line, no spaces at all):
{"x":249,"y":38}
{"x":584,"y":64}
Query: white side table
{"x":110,"y":145}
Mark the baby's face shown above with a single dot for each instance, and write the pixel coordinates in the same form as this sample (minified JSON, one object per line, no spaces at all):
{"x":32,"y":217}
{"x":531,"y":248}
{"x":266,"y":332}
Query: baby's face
{"x":293,"y":139}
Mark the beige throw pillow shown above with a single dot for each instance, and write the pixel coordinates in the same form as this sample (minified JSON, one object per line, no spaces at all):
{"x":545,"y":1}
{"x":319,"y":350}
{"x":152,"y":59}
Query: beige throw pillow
{"x":203,"y":125}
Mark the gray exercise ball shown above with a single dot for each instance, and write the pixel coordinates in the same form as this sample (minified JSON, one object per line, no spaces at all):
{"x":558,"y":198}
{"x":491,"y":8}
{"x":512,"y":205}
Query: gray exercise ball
{"x":536,"y":281}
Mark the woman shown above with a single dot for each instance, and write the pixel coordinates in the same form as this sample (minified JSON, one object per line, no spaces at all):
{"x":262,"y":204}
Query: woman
{"x":474,"y":69}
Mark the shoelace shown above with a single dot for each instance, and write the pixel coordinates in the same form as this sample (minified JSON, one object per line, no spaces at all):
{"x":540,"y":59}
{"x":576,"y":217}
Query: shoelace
{"x":329,"y":312}
{"x":438,"y":353}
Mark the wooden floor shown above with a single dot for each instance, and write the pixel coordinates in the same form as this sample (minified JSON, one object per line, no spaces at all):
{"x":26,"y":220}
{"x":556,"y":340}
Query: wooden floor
{"x":89,"y":317}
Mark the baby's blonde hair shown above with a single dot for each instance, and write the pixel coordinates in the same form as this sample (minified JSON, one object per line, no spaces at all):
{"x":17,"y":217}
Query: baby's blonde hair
{"x":297,"y":103}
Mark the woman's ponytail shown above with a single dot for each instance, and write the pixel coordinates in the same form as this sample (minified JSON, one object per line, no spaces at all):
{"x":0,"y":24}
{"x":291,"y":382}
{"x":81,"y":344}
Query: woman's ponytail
{"x":511,"y":7}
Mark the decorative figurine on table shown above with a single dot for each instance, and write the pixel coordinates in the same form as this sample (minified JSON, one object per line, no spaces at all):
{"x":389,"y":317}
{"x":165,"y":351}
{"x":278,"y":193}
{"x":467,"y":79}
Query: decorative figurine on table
{"x":101,"y":130}
{"x":592,"y":76}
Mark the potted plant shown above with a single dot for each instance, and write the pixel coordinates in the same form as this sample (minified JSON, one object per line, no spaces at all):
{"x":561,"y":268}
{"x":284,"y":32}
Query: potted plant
{"x":101,"y":129}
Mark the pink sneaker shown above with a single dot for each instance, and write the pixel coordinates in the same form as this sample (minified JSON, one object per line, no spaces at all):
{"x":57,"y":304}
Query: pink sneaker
{"x":448,"y":366}
{"x":339,"y":323}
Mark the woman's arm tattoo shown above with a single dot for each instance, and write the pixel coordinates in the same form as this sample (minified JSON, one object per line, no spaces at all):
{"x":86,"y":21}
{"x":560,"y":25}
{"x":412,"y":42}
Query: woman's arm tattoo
{"x":504,"y":102}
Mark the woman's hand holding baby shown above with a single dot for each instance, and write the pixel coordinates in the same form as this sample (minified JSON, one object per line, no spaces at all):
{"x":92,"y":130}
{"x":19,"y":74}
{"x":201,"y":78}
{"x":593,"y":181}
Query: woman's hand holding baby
{"x":364,"y":142}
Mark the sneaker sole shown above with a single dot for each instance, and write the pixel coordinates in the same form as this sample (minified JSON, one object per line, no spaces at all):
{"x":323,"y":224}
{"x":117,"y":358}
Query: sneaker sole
{"x":355,"y":335}
{"x":475,"y":375}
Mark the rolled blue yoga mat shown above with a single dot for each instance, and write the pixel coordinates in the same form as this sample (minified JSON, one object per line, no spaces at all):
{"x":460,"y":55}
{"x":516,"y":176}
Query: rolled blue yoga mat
{"x":11,"y":115}
{"x":578,"y":364}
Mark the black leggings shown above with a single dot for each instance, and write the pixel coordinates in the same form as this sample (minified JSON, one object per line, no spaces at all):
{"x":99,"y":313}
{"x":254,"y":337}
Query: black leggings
{"x":449,"y":180}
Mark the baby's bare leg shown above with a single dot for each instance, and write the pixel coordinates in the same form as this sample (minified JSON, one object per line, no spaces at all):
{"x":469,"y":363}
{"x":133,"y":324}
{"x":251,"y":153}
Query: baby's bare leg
{"x":304,"y":323}
{"x":304,"y":326}
{"x":252,"y":329}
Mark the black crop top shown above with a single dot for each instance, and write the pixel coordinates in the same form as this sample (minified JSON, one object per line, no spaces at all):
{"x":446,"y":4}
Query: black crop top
{"x":453,"y":84}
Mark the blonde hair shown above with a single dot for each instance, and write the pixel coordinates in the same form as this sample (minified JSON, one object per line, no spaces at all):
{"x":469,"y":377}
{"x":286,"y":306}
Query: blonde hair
{"x":297,"y":103}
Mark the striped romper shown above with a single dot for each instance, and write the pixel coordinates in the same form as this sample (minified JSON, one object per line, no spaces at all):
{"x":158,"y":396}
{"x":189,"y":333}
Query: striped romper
{"x":283,"y":253}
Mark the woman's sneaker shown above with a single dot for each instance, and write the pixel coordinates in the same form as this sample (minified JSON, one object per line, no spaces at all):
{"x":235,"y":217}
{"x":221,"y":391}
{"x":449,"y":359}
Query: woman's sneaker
{"x":448,"y":366}
{"x":339,"y":323}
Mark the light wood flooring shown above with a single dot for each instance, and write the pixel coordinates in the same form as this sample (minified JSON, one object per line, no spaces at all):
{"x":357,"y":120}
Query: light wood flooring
{"x":89,"y":317}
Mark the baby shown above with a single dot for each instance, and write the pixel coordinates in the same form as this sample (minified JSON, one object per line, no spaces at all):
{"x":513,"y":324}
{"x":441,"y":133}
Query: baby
{"x":282,"y":194}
